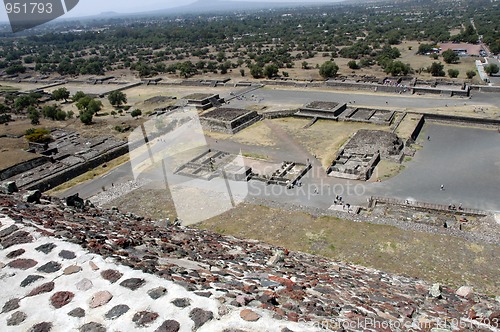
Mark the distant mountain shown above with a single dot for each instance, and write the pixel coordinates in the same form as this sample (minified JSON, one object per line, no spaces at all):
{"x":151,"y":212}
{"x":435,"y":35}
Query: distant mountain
{"x":215,"y":6}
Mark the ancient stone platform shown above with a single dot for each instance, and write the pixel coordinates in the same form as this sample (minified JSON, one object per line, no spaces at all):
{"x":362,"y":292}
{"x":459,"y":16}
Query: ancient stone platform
{"x":203,"y":101}
{"x":341,"y":112}
{"x":228,"y":120}
{"x":322,"y":110}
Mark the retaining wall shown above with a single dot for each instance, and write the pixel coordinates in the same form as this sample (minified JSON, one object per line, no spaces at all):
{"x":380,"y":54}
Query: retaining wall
{"x":72,"y":172}
{"x":279,"y":114}
{"x":462,"y":119}
{"x":418,"y":128}
{"x":424,"y":206}
{"x":22,"y":167}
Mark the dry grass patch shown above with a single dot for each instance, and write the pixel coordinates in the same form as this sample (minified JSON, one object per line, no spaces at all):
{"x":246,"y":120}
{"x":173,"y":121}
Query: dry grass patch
{"x":258,"y":134}
{"x":386,"y":170}
{"x":12,"y":152}
{"x":431,"y":257}
{"x":151,"y":203}
{"x":407,"y":126}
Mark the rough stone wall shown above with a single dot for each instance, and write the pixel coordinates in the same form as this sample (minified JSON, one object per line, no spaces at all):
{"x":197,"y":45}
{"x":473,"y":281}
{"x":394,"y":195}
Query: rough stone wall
{"x":230,"y":127}
{"x":72,"y":172}
{"x":22,"y":167}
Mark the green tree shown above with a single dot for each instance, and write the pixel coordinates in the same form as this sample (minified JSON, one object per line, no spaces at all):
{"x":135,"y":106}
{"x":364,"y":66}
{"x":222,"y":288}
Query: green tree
{"x":271,"y":70}
{"x":83,"y":103}
{"x":449,"y":56}
{"x":4,"y":118}
{"x":117,"y":98}
{"x":34,"y":116}
{"x":187,"y":69}
{"x":491,"y":69}
{"x":23,"y":102}
{"x":3,"y":108}
{"x":60,"y":94}
{"x":353,"y":64}
{"x":328,"y":69}
{"x":86,"y":117}
{"x":436,"y":69}
{"x":94,"y":106}
{"x":49,"y":112}
{"x":305,"y":65}
{"x":15,"y":69}
{"x":135,"y":113}
{"x":256,"y":71}
{"x":221,"y":56}
{"x":425,"y":48}
{"x":61,"y":115}
{"x":470,"y":74}
{"x":396,"y":68}
{"x":453,"y":73}
{"x":87,"y":104}
{"x":78,"y":95}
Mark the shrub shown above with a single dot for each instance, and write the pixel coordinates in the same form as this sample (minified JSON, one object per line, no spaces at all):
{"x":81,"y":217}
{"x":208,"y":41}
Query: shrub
{"x":328,"y":69}
{"x":38,"y":135}
{"x":135,"y":113}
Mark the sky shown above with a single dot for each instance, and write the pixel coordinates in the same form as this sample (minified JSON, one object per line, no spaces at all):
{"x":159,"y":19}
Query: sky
{"x":95,"y":7}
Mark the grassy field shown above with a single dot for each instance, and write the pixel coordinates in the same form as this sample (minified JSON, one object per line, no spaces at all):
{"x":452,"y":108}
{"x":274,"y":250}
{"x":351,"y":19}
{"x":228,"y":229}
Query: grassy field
{"x":12,"y":151}
{"x":431,"y":257}
{"x":423,"y":61}
{"x":8,"y":88}
{"x":259,"y":134}
{"x":407,"y":126}
{"x":386,"y":170}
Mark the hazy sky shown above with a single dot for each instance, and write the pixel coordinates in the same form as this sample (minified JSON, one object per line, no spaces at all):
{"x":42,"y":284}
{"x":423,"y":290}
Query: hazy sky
{"x":94,"y":7}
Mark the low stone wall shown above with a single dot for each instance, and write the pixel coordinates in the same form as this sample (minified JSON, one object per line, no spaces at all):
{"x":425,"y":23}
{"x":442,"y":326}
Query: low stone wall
{"x":247,"y":124}
{"x":438,"y":91}
{"x":72,"y":172}
{"x":485,"y":88}
{"x":22,"y":167}
{"x":279,"y":114}
{"x":424,"y":206}
{"x":462,"y":119}
{"x":123,"y":88}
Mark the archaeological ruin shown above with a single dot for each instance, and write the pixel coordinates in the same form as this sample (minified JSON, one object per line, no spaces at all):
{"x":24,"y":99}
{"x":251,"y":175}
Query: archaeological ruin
{"x":361,"y":154}
{"x":65,"y":157}
{"x":212,"y":164}
{"x":341,"y":112}
{"x":203,"y":101}
{"x":228,"y":120}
